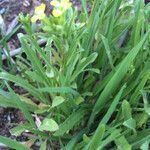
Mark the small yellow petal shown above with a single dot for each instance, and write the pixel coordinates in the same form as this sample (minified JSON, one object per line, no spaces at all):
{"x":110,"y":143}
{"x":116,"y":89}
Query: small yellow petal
{"x":57,"y":12}
{"x":65,"y":4}
{"x":34,"y":19}
{"x":65,"y":1}
{"x":55,"y":3}
{"x":42,"y":16}
{"x":40,"y":9}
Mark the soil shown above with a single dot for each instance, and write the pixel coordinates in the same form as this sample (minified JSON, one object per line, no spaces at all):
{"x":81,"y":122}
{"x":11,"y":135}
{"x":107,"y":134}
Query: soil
{"x":9,"y":118}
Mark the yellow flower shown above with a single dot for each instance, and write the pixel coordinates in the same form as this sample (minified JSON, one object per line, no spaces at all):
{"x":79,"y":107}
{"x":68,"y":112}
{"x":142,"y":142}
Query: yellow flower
{"x":40,"y":9}
{"x":34,"y":19}
{"x":39,"y":13}
{"x":55,"y":3}
{"x":57,"y":12}
{"x":60,"y":7}
{"x":65,"y":4}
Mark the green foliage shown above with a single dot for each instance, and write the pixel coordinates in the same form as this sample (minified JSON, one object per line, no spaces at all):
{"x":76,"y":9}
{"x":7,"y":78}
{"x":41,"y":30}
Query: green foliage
{"x":49,"y":125}
{"x":13,"y":144}
{"x":87,"y":86}
{"x":5,"y":37}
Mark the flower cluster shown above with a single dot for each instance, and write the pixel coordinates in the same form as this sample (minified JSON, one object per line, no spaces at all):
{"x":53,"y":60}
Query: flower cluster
{"x":39,"y":13}
{"x":60,"y":7}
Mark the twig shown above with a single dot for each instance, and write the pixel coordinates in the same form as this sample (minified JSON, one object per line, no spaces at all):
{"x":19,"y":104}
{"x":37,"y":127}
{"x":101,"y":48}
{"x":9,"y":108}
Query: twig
{"x":6,"y":54}
{"x":12,"y":53}
{"x":29,"y":135}
{"x":2,"y":26}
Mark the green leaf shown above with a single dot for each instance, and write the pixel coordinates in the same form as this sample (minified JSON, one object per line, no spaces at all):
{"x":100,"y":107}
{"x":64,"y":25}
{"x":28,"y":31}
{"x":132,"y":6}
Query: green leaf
{"x":116,"y":78}
{"x":49,"y":125}
{"x":138,"y":139}
{"x":114,"y":134}
{"x":122,"y":144}
{"x":130,"y":123}
{"x":86,"y":139}
{"x":126,"y":110}
{"x":145,"y":146}
{"x":30,"y":104}
{"x":70,"y":145}
{"x":142,"y":119}
{"x":22,"y":106}
{"x":84,"y":5}
{"x":146,"y":104}
{"x":34,"y":76}
{"x":108,"y":52}
{"x":6,"y":102}
{"x":58,"y":90}
{"x":21,"y":82}
{"x":70,"y":122}
{"x":79,"y":100}
{"x":37,"y":65}
{"x":57,"y":101}
{"x":83,"y":64}
{"x":134,"y":97}
{"x":97,"y":137}
{"x":17,"y":130}
{"x":112,"y":107}
{"x":13,"y":144}
{"x":43,"y":146}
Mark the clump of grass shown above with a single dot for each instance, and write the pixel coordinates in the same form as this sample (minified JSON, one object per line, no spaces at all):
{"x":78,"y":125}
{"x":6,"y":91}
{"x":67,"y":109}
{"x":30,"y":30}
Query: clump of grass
{"x":90,"y":81}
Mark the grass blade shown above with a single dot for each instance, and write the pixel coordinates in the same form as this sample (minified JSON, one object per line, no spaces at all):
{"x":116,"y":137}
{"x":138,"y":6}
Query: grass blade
{"x":13,"y":144}
{"x":117,"y":78}
{"x":69,"y":123}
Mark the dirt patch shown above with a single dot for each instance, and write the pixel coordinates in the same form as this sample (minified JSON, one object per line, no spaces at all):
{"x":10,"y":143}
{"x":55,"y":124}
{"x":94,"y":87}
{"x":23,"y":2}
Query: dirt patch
{"x":9,"y":118}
